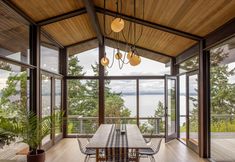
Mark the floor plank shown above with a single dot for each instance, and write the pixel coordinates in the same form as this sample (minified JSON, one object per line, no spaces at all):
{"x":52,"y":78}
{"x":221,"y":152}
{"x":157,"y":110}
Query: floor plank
{"x":68,"y":150}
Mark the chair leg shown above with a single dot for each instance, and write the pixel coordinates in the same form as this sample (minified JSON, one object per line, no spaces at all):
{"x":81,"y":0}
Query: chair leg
{"x":85,"y":160}
{"x":152,"y":158}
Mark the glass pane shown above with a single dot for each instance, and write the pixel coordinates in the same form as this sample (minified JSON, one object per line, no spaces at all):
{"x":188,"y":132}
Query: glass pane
{"x":151,"y":106}
{"x":46,"y":102}
{"x":120,"y":101}
{"x":144,"y":68}
{"x":49,"y":55}
{"x":83,"y":102}
{"x":222,"y":89}
{"x":182,"y":104}
{"x":189,"y":65}
{"x":193,"y":109}
{"x":171,"y":106}
{"x":57,"y":108}
{"x":84,"y":63}
{"x":14,"y":95}
{"x":14,"y":35}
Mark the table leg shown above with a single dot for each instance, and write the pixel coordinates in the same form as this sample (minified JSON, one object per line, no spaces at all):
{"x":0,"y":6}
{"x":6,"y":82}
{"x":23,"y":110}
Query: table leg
{"x":137,"y":155}
{"x":97,"y":155}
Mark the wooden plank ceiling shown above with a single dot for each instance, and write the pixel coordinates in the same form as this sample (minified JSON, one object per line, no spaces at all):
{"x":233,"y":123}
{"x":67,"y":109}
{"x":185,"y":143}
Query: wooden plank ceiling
{"x":43,"y":9}
{"x":72,"y":30}
{"x":150,"y":38}
{"x":198,"y":17}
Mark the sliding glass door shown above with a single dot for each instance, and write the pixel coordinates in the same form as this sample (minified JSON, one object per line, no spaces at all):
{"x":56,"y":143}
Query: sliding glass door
{"x":192,"y":110}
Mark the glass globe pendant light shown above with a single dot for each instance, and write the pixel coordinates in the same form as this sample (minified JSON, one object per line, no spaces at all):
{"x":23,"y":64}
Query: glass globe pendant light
{"x":117,"y":25}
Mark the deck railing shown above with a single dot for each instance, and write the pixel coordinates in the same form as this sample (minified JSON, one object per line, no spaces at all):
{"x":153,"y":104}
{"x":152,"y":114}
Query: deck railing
{"x":87,"y":125}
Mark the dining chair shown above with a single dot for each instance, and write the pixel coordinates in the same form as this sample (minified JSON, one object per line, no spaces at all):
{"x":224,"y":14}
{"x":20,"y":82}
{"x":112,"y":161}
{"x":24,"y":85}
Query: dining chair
{"x":87,"y":152}
{"x":151,"y":151}
{"x":148,"y":140}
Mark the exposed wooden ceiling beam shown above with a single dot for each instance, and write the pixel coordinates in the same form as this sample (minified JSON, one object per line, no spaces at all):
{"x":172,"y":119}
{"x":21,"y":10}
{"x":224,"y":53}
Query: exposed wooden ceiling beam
{"x":62,"y":17}
{"x":142,"y":48}
{"x":94,"y":19}
{"x":150,"y":24}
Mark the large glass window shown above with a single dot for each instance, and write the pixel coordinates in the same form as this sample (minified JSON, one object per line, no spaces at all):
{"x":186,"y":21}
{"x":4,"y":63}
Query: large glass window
{"x":182,"y":106}
{"x":189,"y":65}
{"x":49,"y":55}
{"x":14,"y":35}
{"x":151,"y":106}
{"x":83,"y":104}
{"x":83,"y":63}
{"x":222,"y":88}
{"x":57,"y":108}
{"x":146,"y":67}
{"x":14,"y":95}
{"x":46,"y":102}
{"x":120,"y":101}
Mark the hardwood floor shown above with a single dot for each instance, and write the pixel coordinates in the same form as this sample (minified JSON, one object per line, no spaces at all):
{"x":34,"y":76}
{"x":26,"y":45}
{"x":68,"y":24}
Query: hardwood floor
{"x":68,"y":150}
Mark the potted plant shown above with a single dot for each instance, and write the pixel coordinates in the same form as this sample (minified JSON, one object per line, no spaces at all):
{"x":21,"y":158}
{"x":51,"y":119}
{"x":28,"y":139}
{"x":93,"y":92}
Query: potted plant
{"x":31,"y":131}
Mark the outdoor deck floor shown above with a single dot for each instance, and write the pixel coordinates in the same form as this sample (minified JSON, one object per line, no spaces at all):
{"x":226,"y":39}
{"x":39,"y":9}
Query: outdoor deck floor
{"x":223,"y":150}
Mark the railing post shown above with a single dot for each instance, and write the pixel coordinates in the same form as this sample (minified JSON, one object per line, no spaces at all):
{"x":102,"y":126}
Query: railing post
{"x":158,"y":126}
{"x":81,"y":125}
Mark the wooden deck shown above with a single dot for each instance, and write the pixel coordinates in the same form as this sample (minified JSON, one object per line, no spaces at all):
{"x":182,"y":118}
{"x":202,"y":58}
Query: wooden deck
{"x":175,"y":151}
{"x":222,"y":150}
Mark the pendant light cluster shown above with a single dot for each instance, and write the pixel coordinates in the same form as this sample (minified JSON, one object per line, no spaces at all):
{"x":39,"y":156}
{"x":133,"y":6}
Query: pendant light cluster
{"x":131,"y":57}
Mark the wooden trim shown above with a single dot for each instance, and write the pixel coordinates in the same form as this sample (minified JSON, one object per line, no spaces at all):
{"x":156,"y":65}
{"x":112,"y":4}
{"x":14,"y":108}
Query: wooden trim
{"x":142,"y":48}
{"x":62,"y":17}
{"x":101,"y":86}
{"x":149,"y":24}
{"x":187,"y":54}
{"x":94,"y":19}
{"x":221,"y":34}
{"x":50,"y":73}
{"x":204,"y":97}
{"x":15,"y":62}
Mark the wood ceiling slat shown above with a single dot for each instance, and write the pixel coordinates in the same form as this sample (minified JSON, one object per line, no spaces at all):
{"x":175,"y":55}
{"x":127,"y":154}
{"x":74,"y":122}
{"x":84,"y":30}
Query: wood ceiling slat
{"x":199,"y":17}
{"x":152,"y":39}
{"x":43,"y":9}
{"x":71,"y":30}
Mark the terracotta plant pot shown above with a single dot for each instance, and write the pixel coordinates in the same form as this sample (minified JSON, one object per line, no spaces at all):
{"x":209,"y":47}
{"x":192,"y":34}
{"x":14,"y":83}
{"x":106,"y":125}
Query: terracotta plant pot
{"x":39,"y":157}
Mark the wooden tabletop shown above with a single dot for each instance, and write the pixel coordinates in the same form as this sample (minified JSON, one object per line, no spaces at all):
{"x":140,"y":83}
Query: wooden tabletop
{"x":110,"y":136}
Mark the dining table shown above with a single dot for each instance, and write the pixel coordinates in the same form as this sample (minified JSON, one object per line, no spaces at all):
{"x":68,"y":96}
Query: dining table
{"x":117,"y":142}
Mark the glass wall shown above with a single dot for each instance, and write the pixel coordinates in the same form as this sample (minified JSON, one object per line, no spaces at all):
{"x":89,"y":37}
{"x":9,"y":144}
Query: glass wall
{"x":14,"y":35}
{"x":146,"y":67}
{"x":46,"y":102}
{"x":182,"y":107}
{"x":120,"y":101}
{"x":49,"y":55}
{"x":84,"y":63}
{"x":222,"y":88}
{"x":83,"y":98}
{"x":58,"y":108}
{"x":151,"y":106}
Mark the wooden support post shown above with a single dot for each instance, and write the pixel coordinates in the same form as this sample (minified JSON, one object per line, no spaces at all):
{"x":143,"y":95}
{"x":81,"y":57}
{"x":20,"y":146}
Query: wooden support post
{"x":101,"y":85}
{"x":35,"y":78}
{"x":204,"y":102}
